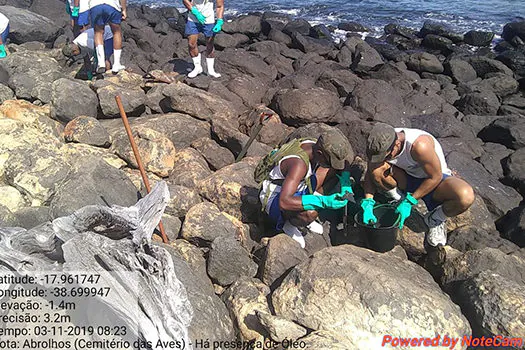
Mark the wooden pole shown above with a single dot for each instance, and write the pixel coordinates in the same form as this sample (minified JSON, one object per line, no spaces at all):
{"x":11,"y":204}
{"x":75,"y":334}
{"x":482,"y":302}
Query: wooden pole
{"x":137,"y":157}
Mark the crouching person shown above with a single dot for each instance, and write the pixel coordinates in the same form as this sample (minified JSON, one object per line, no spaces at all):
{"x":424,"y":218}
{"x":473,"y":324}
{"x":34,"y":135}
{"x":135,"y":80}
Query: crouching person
{"x":292,"y":179}
{"x":408,"y":165}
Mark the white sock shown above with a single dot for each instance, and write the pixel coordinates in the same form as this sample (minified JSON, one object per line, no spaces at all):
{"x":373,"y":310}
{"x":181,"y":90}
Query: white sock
{"x":116,"y":57}
{"x":438,"y":215}
{"x":394,"y":193}
{"x":294,"y":232}
{"x":210,"y":63}
{"x":197,"y":69}
{"x":315,"y":227}
{"x":100,"y":56}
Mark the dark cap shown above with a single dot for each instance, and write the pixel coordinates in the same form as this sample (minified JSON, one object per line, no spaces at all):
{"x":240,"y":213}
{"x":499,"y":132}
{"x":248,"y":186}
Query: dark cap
{"x":380,"y":142}
{"x":336,"y":147}
{"x":67,"y":50}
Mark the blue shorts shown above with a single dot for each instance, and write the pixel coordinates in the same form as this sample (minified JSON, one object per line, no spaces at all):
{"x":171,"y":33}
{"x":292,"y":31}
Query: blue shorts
{"x":276,"y":214}
{"x":104,"y":14}
{"x":413,"y":184}
{"x":193,"y":28}
{"x":83,"y":18}
{"x":5,"y":34}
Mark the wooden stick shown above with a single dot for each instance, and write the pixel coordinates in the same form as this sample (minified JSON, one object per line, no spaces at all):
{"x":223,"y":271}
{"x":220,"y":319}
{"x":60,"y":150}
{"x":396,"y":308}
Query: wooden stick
{"x":137,"y":157}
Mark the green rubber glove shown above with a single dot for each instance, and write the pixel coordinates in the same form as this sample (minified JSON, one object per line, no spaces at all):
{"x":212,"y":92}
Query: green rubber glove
{"x":2,"y":51}
{"x":89,"y":75}
{"x":312,"y":202}
{"x":367,"y":204}
{"x":346,"y":184}
{"x":404,"y":208}
{"x":74,"y":11}
{"x":200,"y":17}
{"x":218,"y":25}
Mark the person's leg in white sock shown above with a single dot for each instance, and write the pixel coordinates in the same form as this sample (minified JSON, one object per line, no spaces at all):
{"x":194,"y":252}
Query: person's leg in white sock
{"x":101,"y":59}
{"x":394,"y":193}
{"x":197,"y":67}
{"x":117,"y":47}
{"x":437,"y":232}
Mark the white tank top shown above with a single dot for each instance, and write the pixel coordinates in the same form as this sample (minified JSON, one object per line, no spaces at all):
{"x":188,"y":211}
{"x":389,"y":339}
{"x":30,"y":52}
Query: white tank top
{"x":206,"y":8}
{"x":405,"y":161}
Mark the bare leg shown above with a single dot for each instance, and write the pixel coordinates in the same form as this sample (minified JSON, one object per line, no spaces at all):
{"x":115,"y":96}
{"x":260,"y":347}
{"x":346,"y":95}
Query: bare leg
{"x":301,"y":219}
{"x":455,"y":194}
{"x":192,"y":45}
{"x":210,"y":49}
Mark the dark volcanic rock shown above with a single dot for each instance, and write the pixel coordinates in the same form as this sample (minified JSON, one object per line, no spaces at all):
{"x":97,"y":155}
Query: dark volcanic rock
{"x":493,"y":157}
{"x":498,"y":197}
{"x":424,"y":62}
{"x":248,"y":24}
{"x":513,"y":29}
{"x":64,"y":92}
{"x":302,"y":106}
{"x":182,"y":199}
{"x":514,"y":170}
{"x":442,"y":125}
{"x":87,"y":130}
{"x":508,"y":131}
{"x":472,"y":237}
{"x":229,"y":261}
{"x":95,"y":182}
{"x":352,"y":27}
{"x":479,"y":103}
{"x":512,"y":225}
{"x":28,"y":26}
{"x":515,"y":60}
{"x":478,"y":38}
{"x":300,"y":26}
{"x":437,"y":42}
{"x":30,"y":217}
{"x":365,"y":57}
{"x":236,"y":62}
{"x":217,"y":157}
{"x":461,"y":71}
{"x":441,"y":29}
{"x":484,"y":65}
{"x":308,"y":44}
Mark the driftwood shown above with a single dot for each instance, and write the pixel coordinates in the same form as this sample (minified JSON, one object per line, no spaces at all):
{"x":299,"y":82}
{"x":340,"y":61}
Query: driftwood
{"x":114,"y":242}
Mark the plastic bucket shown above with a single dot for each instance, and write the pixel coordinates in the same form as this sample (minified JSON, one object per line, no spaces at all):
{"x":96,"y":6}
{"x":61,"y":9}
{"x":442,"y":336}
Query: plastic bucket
{"x":380,"y":237}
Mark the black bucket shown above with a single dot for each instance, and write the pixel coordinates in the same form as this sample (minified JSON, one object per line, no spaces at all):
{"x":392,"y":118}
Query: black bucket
{"x":381,"y":236}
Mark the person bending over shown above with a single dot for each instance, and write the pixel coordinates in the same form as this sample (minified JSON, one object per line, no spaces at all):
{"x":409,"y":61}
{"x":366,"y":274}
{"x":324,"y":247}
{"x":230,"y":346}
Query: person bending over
{"x":201,"y":19}
{"x":111,"y":12}
{"x":84,"y":45}
{"x":408,"y":165}
{"x":293,"y":178}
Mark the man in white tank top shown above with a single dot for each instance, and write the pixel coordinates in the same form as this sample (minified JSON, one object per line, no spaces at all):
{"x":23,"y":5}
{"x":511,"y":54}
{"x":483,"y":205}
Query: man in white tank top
{"x":289,"y":202}
{"x":409,"y":164}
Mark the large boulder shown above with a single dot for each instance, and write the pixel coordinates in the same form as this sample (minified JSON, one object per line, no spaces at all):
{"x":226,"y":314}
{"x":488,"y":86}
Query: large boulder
{"x":247,"y":24}
{"x":189,"y":168}
{"x":513,"y":29}
{"x":485,"y":65}
{"x":365,"y":57}
{"x":513,"y":168}
{"x":308,"y":44}
{"x":384,"y":298}
{"x":493,"y":305}
{"x":182,"y":199}
{"x":478,"y":38}
{"x":479,"y":103}
{"x":236,"y":62}
{"x":467,"y":238}
{"x":508,"y":131}
{"x":133,"y":100}
{"x":156,"y":150}
{"x":377,"y":100}
{"x":498,"y":197}
{"x":71,"y":99}
{"x":204,"y":222}
{"x":229,"y":261}
{"x":424,"y":62}
{"x":513,"y":59}
{"x":87,"y":130}
{"x":197,"y":103}
{"x":512,"y":225}
{"x":52,"y":9}
{"x":28,"y":26}
{"x":217,"y":156}
{"x":234,"y":190}
{"x":249,"y":89}
{"x":303,"y":106}
{"x":460,"y":70}
{"x":493,"y":158}
{"x":442,"y":125}
{"x":93,"y":182}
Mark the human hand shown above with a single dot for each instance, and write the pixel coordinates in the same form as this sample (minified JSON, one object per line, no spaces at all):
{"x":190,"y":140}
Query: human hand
{"x":3,"y":52}
{"x":124,"y":14}
{"x":313,"y":202}
{"x":404,"y":208}
{"x":218,"y":25}
{"x":346,"y":184}
{"x":367,"y":204}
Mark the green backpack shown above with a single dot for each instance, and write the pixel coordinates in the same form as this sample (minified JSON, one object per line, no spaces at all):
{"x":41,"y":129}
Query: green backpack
{"x":272,"y":159}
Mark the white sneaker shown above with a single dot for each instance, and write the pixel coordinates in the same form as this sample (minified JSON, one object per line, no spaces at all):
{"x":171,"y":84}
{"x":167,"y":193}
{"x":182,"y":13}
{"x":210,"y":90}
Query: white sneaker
{"x":437,"y":231}
{"x":101,"y":70}
{"x":196,"y":71}
{"x":117,"y":68}
{"x":295,"y":233}
{"x":315,"y":227}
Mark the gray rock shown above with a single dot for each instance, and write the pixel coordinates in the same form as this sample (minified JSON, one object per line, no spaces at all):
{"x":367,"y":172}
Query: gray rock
{"x":479,"y":103}
{"x":247,"y":24}
{"x":249,"y":89}
{"x":65,"y":91}
{"x":280,"y":328}
{"x":189,"y":168}
{"x":182,"y":199}
{"x":442,"y":125}
{"x":217,"y":157}
{"x":513,"y":59}
{"x":493,"y":306}
{"x":133,"y":100}
{"x":236,"y":62}
{"x":30,"y":217}
{"x":387,"y":287}
{"x":87,"y":130}
{"x":478,"y":38}
{"x":281,"y":254}
{"x":300,"y":26}
{"x":279,"y":37}
{"x":28,"y":26}
{"x":365,"y":58}
{"x":94,"y":182}
{"x":511,"y":226}
{"x":7,"y":219}
{"x":461,"y":71}
{"x":229,"y":261}
{"x":513,"y":168}
{"x":6,"y":93}
{"x":513,"y":29}
{"x":424,"y":62}
{"x":473,"y":148}
{"x":484,"y":65}
{"x":437,"y":42}
{"x":308,"y":44}
{"x":204,"y":223}
{"x":499,"y":83}
{"x":508,"y":131}
{"x":302,"y":106}
{"x":437,"y":28}
{"x":343,"y":82}
{"x":493,"y":157}
{"x":52,"y":9}
{"x":478,"y":122}
{"x":467,"y":238}
{"x":156,"y":101}
{"x":284,"y":65}
{"x":498,"y":197}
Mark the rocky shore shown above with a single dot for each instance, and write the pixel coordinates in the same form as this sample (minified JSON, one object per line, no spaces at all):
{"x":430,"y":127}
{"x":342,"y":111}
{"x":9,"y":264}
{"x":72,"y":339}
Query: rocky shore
{"x":63,"y":146}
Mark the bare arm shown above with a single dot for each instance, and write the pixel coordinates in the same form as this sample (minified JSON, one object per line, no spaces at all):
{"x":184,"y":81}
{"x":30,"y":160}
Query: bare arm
{"x":368,"y":185}
{"x":77,"y":3}
{"x":423,"y":152}
{"x":294,"y":170}
{"x":187,"y":4}
{"x":220,"y":8}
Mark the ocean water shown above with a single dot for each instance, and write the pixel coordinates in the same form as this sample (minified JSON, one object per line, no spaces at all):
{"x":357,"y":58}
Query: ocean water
{"x":461,"y":16}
